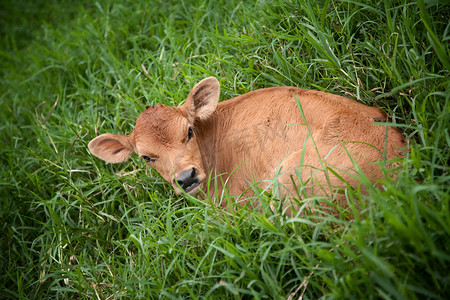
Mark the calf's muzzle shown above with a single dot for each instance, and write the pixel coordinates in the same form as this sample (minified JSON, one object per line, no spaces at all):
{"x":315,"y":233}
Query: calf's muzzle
{"x":187,"y":180}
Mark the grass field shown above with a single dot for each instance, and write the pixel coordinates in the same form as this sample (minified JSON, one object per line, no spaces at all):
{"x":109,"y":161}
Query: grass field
{"x":76,"y":227}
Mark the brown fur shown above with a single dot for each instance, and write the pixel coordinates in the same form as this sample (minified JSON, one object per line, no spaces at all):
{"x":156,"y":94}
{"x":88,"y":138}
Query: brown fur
{"x":256,"y":133}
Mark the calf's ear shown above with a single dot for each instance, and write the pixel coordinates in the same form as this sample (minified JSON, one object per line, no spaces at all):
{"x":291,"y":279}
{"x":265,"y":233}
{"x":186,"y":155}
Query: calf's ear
{"x":111,"y":148}
{"x":203,"y":99}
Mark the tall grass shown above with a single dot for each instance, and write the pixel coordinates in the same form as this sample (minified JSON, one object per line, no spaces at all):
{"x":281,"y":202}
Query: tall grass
{"x":74,"y":227}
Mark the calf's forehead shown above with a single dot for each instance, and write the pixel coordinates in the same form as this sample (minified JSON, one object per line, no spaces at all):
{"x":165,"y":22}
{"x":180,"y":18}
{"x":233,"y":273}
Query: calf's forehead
{"x":159,"y":125}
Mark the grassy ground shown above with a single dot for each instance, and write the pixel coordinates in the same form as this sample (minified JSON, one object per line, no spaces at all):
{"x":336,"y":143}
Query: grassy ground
{"x":75,"y":227}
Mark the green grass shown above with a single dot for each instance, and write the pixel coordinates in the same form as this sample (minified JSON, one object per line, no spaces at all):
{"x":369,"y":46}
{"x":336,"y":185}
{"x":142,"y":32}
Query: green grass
{"x":75,"y":227}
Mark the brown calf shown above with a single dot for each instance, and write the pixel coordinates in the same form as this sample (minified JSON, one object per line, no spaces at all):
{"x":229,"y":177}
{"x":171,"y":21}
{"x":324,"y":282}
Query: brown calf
{"x":248,"y":138}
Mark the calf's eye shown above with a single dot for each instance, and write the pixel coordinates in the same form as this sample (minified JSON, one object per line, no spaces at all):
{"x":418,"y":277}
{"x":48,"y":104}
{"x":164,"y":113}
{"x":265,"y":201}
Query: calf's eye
{"x":190,"y":133}
{"x":148,"y":159}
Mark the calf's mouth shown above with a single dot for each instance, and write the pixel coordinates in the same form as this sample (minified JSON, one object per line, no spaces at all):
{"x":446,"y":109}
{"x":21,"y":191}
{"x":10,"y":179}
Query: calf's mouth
{"x":192,"y":189}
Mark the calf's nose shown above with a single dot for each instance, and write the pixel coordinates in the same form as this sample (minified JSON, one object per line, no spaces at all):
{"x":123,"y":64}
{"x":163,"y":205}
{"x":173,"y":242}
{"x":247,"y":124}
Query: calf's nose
{"x":187,"y":180}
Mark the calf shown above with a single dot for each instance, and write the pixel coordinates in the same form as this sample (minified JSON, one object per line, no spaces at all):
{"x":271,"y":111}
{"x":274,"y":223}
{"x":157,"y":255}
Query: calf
{"x":281,"y":131}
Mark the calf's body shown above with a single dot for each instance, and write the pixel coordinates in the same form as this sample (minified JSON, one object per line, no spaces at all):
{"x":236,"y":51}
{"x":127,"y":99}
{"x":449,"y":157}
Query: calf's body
{"x":283,"y":130}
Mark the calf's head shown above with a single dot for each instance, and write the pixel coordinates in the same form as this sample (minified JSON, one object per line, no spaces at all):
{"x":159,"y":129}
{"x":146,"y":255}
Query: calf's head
{"x":165,"y":137}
